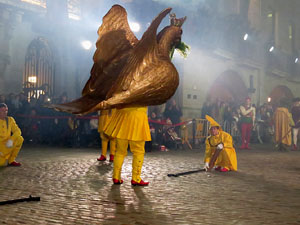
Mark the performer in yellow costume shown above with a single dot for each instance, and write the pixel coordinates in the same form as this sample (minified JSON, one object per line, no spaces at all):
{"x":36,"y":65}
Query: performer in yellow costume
{"x":130,"y":126}
{"x":104,"y":118}
{"x":283,"y":122}
{"x":226,"y":160}
{"x":10,"y":138}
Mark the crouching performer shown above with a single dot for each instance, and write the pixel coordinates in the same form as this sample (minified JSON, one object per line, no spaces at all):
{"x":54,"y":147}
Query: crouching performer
{"x":104,"y":118}
{"x":219,"y":142}
{"x":10,"y":138}
{"x":130,"y":127}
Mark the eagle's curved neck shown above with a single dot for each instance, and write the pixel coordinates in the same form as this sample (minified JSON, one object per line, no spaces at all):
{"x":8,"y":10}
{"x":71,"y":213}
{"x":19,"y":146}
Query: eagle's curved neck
{"x":165,"y":40}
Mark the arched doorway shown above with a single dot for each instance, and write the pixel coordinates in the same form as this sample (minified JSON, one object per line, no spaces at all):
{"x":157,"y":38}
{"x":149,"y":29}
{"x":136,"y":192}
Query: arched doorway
{"x":228,"y":87}
{"x":280,"y":92}
{"x":38,"y":77}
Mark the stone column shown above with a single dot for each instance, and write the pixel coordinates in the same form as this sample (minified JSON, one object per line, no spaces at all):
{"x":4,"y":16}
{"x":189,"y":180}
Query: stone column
{"x":8,"y":19}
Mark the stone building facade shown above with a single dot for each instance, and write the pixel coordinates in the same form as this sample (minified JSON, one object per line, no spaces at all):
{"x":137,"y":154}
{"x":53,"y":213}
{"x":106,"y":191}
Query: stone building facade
{"x":40,"y":50}
{"x":229,"y":65}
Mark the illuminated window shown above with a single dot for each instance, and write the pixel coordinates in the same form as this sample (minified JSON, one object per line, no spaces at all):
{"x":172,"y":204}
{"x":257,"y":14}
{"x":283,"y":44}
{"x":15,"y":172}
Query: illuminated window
{"x":32,"y":79}
{"x":41,"y":3}
{"x":74,"y":11}
{"x":38,"y":77}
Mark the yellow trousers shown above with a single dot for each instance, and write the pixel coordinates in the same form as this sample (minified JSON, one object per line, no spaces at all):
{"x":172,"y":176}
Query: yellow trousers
{"x":10,"y":154}
{"x":104,"y":143}
{"x":138,"y":150}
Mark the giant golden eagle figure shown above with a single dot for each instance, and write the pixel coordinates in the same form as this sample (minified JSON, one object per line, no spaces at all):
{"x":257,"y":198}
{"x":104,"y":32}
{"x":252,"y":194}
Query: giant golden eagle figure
{"x":127,"y":71}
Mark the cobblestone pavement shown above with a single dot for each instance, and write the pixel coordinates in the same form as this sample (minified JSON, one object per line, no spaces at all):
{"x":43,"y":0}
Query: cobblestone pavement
{"x":76,"y":189}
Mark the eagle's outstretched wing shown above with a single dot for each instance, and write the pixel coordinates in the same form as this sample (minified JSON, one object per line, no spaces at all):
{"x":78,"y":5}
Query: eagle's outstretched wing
{"x":114,"y":42}
{"x":144,"y":47}
{"x":115,"y":38}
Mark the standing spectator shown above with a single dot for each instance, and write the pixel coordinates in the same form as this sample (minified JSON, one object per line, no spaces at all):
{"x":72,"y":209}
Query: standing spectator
{"x":173,"y":112}
{"x":47,"y":125}
{"x":206,"y":109}
{"x":62,"y":125}
{"x":296,"y":118}
{"x":215,"y":109}
{"x":283,"y":120}
{"x":2,"y":98}
{"x":31,"y":127}
{"x":10,"y":138}
{"x":247,"y":122}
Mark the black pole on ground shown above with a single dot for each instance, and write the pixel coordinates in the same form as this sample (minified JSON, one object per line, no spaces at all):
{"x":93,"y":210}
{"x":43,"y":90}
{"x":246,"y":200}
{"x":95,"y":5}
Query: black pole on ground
{"x":185,"y":173}
{"x":21,"y":200}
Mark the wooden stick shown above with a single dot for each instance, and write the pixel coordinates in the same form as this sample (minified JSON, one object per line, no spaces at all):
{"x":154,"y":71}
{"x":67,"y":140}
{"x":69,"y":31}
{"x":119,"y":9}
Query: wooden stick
{"x":185,"y":173}
{"x":21,"y":200}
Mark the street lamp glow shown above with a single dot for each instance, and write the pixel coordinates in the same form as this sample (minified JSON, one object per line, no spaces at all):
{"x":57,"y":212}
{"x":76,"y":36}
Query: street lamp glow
{"x":296,"y":60}
{"x":32,"y":79}
{"x":269,"y":99}
{"x":246,"y":37}
{"x":135,"y":27}
{"x":271,"y":49}
{"x":86,"y":45}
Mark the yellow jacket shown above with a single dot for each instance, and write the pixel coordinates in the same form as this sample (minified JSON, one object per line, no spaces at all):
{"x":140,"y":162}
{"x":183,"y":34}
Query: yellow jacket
{"x":7,"y":129}
{"x":104,"y":118}
{"x":129,"y":124}
{"x":227,"y":157}
{"x":283,"y":121}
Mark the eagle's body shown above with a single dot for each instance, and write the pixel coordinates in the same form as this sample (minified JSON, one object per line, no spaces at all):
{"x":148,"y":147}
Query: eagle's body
{"x":128,"y":72}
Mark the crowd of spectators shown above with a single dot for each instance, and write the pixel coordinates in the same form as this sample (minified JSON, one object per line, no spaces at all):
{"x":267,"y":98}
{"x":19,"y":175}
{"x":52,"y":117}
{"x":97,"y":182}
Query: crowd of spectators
{"x":228,"y":114}
{"x":45,"y":126}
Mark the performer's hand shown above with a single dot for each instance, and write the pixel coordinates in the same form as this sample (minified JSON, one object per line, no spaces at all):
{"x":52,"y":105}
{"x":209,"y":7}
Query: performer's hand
{"x":220,"y":146}
{"x":103,"y":105}
{"x":206,"y":166}
{"x":9,"y":143}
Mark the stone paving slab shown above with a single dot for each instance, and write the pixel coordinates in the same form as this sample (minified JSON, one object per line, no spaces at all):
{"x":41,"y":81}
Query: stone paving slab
{"x":76,"y":189}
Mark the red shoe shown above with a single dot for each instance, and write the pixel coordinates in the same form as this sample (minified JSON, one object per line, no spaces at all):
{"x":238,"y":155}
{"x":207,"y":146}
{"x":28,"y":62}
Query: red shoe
{"x":224,"y":170}
{"x":141,"y":183}
{"x":102,"y":158}
{"x":116,"y":181}
{"x":14,"y":163}
{"x":111,"y":158}
{"x":218,"y":168}
{"x":294,"y":147}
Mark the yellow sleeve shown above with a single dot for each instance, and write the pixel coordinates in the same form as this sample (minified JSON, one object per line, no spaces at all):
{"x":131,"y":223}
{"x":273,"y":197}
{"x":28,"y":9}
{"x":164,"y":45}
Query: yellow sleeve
{"x":14,"y":128}
{"x":208,"y":151}
{"x":227,"y":140}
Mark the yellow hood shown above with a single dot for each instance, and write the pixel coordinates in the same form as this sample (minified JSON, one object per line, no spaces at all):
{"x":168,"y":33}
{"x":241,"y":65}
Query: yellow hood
{"x":212,"y":122}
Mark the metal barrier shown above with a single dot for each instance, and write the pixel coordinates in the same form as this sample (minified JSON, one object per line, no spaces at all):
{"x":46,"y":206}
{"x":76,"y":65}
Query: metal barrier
{"x":196,"y":130}
{"x":231,"y":128}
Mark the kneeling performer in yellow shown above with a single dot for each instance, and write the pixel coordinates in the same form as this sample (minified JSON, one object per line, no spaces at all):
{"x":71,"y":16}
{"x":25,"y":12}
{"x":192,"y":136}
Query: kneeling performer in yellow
{"x":219,"y":141}
{"x":10,"y":138}
{"x":104,"y":118}
{"x":130,"y":126}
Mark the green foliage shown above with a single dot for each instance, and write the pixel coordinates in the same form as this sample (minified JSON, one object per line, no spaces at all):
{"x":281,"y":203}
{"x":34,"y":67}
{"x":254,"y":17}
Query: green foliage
{"x":182,"y":48}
